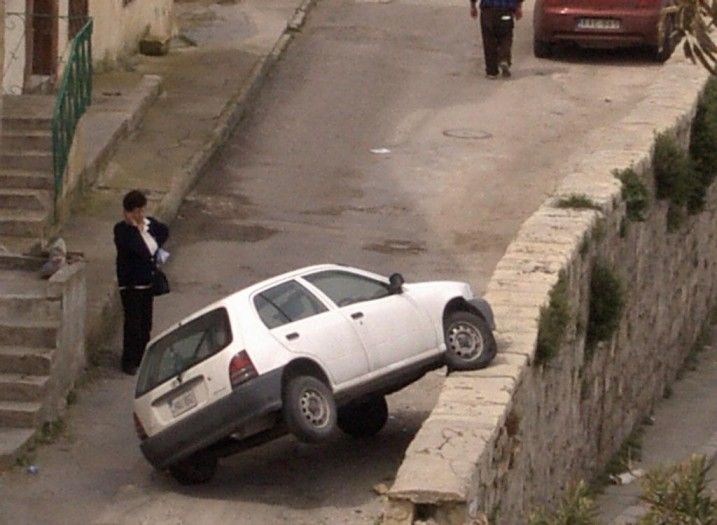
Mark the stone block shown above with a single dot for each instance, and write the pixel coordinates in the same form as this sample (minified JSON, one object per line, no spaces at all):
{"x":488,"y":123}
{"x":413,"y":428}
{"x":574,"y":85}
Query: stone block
{"x":154,"y":46}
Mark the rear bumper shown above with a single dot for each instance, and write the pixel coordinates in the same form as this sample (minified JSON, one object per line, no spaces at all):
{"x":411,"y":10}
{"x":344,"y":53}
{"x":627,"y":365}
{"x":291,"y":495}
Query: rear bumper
{"x":245,"y":405}
{"x":554,"y":24}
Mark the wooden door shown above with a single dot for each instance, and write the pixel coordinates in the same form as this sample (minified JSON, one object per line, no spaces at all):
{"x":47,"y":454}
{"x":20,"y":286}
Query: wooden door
{"x":78,"y":16}
{"x":44,"y":37}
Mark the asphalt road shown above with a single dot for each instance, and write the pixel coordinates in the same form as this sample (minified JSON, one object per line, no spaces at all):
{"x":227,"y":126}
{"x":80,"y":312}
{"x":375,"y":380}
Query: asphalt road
{"x":459,"y":162}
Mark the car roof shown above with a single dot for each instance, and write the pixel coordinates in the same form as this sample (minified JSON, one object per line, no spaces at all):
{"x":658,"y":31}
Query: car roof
{"x":242,"y":295}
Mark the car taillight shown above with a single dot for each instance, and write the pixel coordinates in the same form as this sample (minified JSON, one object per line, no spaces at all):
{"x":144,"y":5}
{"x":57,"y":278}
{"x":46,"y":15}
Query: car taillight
{"x":241,"y":369}
{"x":141,"y":434}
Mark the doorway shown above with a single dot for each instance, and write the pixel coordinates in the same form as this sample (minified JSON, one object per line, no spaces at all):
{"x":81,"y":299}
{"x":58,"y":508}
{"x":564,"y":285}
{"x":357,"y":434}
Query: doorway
{"x":44,"y":15}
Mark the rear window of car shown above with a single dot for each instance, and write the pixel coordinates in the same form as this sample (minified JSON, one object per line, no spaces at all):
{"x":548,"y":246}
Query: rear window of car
{"x":183,"y":348}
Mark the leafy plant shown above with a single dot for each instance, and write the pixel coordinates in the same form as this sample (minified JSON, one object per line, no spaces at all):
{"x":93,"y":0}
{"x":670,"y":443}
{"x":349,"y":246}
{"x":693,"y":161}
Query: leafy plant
{"x":703,"y":137}
{"x":671,"y":166}
{"x":576,"y":508}
{"x":679,"y":495}
{"x":634,"y":193}
{"x":607,"y":302}
{"x":554,"y":321}
{"x":577,"y":201}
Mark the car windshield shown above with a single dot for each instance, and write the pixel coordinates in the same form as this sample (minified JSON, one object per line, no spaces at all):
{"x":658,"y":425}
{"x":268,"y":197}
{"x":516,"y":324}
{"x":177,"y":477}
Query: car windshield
{"x":183,"y":348}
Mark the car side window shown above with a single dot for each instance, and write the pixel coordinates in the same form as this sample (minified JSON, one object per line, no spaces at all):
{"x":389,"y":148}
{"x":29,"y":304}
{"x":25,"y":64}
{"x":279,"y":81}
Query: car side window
{"x":345,"y":288}
{"x":286,"y":303}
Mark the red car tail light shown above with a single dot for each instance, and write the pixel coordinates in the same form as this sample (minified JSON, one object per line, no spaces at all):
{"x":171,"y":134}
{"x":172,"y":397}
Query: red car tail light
{"x":141,"y":434}
{"x":241,"y":369}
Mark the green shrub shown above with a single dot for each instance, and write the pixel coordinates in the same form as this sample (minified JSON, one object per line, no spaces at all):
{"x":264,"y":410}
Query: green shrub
{"x":672,"y":170}
{"x":576,"y":508}
{"x":679,"y":494}
{"x":606,"y":305}
{"x":634,"y":193}
{"x":703,"y":137}
{"x":577,"y":201}
{"x":554,"y":321}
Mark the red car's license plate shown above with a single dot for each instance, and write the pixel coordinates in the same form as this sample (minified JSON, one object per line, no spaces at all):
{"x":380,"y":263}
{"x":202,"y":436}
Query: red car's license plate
{"x":598,"y":23}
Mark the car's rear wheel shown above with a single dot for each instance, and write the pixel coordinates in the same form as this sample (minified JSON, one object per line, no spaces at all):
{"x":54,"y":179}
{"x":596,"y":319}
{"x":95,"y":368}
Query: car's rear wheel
{"x":309,"y":409}
{"x":542,"y":49}
{"x":200,"y":467}
{"x":362,"y":420}
{"x":470,"y":344}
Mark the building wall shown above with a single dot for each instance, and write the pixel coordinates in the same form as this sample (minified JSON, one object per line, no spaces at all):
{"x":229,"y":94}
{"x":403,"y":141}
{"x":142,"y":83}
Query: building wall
{"x":14,"y":44}
{"x":2,"y":42}
{"x":118,"y":27}
{"x":508,"y":439}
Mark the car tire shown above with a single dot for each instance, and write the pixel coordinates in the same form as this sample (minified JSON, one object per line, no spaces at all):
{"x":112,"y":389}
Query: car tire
{"x":309,"y":409}
{"x":363,"y":420}
{"x":198,"y":468}
{"x":542,"y":49}
{"x":664,"y":52}
{"x":470,"y":344}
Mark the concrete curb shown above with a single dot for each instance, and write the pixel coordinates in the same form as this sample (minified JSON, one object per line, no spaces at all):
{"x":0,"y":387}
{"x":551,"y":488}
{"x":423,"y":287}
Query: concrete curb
{"x":168,"y":206}
{"x":632,"y":514}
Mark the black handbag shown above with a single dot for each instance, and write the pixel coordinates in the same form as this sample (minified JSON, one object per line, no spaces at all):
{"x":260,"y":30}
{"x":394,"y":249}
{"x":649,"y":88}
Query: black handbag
{"x":160,"y":284}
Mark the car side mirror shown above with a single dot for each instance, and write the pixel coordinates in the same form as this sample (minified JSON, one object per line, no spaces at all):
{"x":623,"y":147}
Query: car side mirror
{"x":395,"y":283}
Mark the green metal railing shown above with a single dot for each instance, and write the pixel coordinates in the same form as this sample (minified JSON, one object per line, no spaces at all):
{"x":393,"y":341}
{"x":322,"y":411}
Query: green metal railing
{"x":74,"y":94}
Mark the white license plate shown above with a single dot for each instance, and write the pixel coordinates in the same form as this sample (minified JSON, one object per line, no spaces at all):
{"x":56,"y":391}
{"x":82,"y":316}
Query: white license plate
{"x":598,"y":23}
{"x":180,"y":404}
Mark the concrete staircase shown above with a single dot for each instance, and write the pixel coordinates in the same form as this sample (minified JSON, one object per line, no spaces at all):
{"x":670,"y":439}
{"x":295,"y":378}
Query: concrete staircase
{"x":30,"y":320}
{"x":26,"y":180}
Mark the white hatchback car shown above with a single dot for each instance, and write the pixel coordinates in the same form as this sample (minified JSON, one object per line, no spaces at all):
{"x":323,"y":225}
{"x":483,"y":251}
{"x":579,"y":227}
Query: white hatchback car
{"x":306,"y":352}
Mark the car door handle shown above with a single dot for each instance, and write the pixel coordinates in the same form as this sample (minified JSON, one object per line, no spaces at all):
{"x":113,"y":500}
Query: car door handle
{"x":292,"y":336}
{"x":357,"y":315}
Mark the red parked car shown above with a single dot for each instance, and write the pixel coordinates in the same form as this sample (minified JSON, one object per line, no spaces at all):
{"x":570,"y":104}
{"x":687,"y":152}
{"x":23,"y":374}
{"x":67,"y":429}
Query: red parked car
{"x":604,"y":24}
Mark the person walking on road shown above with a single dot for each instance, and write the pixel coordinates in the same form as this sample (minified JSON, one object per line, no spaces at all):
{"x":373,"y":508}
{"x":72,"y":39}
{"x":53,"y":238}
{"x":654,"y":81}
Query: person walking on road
{"x":137,"y":239}
{"x":496,"y":23}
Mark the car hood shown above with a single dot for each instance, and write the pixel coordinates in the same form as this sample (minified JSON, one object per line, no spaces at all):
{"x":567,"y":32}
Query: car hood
{"x":442,"y":287}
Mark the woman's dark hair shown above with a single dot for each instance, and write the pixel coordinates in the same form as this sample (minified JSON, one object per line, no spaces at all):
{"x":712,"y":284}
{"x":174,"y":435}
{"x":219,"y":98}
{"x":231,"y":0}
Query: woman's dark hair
{"x":133,"y":200}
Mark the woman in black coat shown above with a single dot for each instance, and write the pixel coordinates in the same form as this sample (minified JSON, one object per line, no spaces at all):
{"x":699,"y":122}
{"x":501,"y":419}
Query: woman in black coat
{"x":137,"y":239}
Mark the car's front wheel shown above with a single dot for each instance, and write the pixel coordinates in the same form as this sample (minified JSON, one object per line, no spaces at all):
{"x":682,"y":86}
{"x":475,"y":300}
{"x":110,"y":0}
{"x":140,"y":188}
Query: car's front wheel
{"x":200,"y":467}
{"x":470,"y":344}
{"x":309,"y":409}
{"x":362,"y":420}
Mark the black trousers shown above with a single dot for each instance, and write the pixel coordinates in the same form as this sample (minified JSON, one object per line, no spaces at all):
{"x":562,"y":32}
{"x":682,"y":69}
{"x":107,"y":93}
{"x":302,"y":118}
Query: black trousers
{"x":496,"y":25}
{"x":137,"y":306}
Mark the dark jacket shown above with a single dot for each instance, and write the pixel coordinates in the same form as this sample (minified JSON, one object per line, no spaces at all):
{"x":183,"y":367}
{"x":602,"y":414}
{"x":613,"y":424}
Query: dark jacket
{"x":135,"y":264}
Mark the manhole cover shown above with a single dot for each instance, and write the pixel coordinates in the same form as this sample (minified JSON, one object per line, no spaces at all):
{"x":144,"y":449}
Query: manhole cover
{"x":467,"y":134}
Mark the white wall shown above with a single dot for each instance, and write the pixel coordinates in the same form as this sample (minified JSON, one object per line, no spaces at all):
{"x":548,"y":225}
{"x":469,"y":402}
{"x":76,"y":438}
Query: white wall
{"x":118,"y":28}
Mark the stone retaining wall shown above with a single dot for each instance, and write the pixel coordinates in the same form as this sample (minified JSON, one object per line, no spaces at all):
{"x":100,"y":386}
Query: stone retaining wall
{"x":504,"y":440}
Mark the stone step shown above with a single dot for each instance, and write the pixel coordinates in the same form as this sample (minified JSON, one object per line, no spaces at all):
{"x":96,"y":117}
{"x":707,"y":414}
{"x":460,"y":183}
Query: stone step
{"x":29,"y":306}
{"x":34,"y":334}
{"x":20,"y":414}
{"x":20,"y":123}
{"x":13,"y":442}
{"x":24,"y":199}
{"x":15,"y":245}
{"x":33,"y":160}
{"x":20,"y":387}
{"x":32,"y":139}
{"x":21,"y":223}
{"x":22,"y":360}
{"x":27,"y":105}
{"x":36,"y":180}
{"x":19,"y":263}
